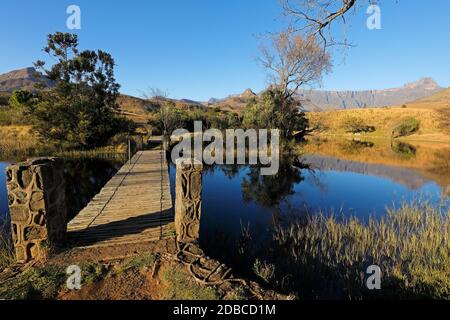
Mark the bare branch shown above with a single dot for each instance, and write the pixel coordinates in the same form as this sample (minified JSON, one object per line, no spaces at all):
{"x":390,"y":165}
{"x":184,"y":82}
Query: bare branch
{"x":293,"y":62}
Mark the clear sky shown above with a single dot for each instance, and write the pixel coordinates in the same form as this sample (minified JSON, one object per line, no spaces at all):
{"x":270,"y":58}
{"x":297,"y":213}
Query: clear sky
{"x":199,"y":49}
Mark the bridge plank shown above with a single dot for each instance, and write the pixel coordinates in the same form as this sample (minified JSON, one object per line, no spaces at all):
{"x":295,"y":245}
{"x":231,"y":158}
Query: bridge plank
{"x":134,"y":206}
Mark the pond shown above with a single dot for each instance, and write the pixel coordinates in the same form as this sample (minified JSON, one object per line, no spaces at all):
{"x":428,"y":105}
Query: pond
{"x":322,"y":181}
{"x":241,"y":208}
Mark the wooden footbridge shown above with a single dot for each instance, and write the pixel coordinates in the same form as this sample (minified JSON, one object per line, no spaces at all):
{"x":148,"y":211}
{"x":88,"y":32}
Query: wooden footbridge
{"x":134,"y":206}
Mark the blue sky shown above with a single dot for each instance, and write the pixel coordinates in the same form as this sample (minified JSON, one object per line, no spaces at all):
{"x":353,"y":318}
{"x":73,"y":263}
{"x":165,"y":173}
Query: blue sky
{"x":200,"y":49}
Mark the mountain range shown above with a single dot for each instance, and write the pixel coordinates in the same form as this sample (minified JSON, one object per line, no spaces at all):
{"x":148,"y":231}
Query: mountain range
{"x":312,"y":100}
{"x":321,"y":100}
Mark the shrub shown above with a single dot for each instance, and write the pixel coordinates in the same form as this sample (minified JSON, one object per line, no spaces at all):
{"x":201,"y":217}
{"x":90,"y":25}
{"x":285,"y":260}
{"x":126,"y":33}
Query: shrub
{"x":356,"y":125}
{"x":4,"y":98}
{"x":406,"y":127}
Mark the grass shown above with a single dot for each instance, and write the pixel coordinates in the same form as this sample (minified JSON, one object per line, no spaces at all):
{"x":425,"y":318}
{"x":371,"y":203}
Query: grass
{"x":19,"y":142}
{"x":380,"y":122}
{"x":34,"y":283}
{"x":16,"y":140}
{"x":328,"y":257}
{"x":7,"y":257}
{"x":433,"y":112}
{"x":9,"y":117}
{"x":140,"y":263}
{"x":179,"y":285}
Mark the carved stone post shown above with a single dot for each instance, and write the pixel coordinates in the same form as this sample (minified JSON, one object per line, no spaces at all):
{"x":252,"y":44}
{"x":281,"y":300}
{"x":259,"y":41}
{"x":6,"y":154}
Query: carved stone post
{"x":188,"y":202}
{"x":37,"y":204}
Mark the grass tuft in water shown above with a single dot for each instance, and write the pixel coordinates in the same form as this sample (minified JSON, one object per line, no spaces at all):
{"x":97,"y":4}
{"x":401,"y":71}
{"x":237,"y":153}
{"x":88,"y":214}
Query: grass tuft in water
{"x":329,"y":257}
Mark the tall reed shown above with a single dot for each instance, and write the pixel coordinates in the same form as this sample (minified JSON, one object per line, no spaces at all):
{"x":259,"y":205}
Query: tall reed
{"x":329,"y":257}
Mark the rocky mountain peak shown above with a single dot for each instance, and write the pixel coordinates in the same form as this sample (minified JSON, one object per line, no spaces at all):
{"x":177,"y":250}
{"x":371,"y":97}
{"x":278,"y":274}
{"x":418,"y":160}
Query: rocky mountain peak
{"x":248,"y":93}
{"x":425,"y":83}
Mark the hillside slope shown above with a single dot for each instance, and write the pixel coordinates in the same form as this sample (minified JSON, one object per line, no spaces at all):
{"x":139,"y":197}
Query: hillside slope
{"x":20,"y":79}
{"x":316,"y":100}
{"x":432,"y":112}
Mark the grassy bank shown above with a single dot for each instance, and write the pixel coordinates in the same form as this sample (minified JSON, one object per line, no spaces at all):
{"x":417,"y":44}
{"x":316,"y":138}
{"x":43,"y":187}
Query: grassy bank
{"x":142,"y":277}
{"x":432,"y":124}
{"x":19,"y":142}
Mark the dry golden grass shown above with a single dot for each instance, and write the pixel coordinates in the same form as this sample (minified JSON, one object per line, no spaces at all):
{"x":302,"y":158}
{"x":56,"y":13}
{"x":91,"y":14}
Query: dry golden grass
{"x":133,"y":108}
{"x":432,"y":122}
{"x":18,"y":138}
{"x":432,"y":112}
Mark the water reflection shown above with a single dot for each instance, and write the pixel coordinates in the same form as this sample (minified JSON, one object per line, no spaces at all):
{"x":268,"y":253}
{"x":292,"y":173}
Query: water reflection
{"x":403,"y":150}
{"x":269,"y":191}
{"x":84,"y":179}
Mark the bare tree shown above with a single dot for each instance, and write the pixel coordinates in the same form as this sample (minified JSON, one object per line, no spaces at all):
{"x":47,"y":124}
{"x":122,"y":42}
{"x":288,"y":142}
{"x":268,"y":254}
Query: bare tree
{"x":293,"y":62}
{"x":316,"y":17}
{"x":167,"y":118}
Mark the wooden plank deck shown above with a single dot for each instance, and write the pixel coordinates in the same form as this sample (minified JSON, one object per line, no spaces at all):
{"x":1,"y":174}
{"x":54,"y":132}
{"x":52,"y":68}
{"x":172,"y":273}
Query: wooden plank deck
{"x":134,"y":206}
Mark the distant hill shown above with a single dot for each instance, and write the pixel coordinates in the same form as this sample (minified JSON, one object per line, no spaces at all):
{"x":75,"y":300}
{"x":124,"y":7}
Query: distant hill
{"x":319,"y":100}
{"x":439,"y":100}
{"x":20,"y":79}
{"x":315,"y":100}
{"x":235,"y":102}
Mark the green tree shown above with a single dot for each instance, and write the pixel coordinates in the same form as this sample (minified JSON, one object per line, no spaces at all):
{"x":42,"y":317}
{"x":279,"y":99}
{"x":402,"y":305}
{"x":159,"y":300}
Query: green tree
{"x":273,"y":110}
{"x":20,"y":99}
{"x":81,"y":108}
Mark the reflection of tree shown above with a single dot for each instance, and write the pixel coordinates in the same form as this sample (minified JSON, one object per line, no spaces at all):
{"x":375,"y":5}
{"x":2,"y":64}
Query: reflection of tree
{"x":403,"y":150}
{"x":84,"y":179}
{"x":355,"y":146}
{"x":269,"y":191}
{"x":231,"y":170}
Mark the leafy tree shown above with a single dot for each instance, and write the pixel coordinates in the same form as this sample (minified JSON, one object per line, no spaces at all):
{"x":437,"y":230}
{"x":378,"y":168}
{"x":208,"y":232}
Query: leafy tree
{"x":20,"y":99}
{"x":81,"y":108}
{"x":276,"y":111}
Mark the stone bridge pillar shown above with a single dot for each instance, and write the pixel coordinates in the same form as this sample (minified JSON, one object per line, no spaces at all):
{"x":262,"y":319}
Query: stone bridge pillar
{"x":37,"y":204}
{"x":188,"y":201}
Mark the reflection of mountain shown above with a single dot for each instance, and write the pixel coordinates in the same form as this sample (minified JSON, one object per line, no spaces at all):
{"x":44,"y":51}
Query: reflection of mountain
{"x":408,"y":177}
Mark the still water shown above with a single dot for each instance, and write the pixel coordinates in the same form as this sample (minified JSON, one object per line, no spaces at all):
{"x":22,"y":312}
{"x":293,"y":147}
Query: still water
{"x":350,"y":178}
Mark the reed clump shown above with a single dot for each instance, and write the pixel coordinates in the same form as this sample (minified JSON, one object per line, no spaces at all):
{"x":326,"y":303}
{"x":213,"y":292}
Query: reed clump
{"x":329,"y":256}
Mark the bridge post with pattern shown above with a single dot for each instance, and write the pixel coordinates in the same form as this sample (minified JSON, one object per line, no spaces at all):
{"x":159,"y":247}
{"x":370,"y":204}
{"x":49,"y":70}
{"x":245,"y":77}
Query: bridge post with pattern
{"x":188,"y":201}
